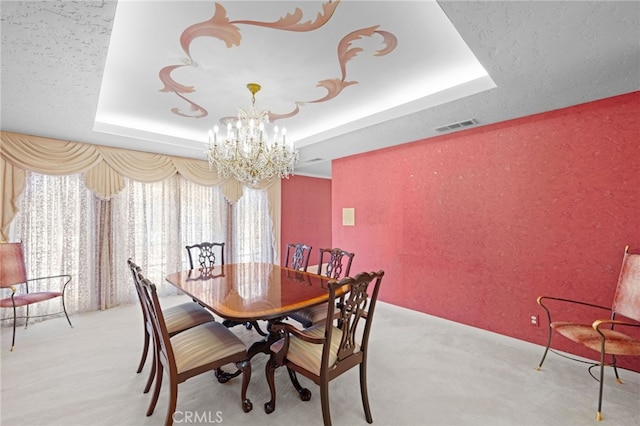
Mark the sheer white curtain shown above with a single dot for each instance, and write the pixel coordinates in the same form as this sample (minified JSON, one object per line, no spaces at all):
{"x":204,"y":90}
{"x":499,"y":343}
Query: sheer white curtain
{"x":155,"y":221}
{"x":251,"y":228}
{"x":251,"y":220}
{"x":49,"y":207}
{"x":204,"y":218}
{"x":66,"y":229}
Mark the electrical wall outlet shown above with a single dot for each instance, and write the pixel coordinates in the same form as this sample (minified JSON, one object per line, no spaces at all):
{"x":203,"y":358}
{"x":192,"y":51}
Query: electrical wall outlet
{"x":534,"y":320}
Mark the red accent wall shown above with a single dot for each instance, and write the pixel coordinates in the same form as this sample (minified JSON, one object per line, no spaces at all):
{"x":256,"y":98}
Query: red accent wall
{"x":306,"y":214}
{"x":474,"y":226}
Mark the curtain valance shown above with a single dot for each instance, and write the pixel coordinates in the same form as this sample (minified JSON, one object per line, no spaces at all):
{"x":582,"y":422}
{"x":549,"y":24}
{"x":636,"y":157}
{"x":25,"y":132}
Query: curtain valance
{"x":104,"y":169}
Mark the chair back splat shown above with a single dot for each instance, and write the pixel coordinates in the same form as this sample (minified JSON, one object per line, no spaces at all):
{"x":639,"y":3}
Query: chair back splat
{"x":614,"y":331}
{"x":324,"y":351}
{"x":334,"y":259}
{"x":297,"y":256}
{"x":333,"y":263}
{"x":205,"y":255}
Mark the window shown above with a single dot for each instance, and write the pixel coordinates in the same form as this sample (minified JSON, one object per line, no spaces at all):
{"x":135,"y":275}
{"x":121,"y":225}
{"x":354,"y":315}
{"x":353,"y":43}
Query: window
{"x":67,"y":229}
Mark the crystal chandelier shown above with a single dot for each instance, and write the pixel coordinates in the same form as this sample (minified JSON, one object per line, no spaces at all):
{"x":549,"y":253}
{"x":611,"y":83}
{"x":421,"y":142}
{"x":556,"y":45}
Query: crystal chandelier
{"x":247,"y":153}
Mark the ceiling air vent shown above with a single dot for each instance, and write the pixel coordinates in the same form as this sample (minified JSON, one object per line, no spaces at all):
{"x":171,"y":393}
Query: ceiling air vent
{"x":458,"y":125}
{"x":313,"y":160}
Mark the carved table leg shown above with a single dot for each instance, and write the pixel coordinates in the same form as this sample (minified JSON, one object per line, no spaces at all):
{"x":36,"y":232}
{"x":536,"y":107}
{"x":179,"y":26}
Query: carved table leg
{"x":261,"y":346}
{"x":270,"y":369}
{"x":224,"y":377}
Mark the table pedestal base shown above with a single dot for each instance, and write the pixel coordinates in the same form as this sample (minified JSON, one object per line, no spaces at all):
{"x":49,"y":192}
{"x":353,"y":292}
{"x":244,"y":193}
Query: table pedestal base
{"x":261,"y":346}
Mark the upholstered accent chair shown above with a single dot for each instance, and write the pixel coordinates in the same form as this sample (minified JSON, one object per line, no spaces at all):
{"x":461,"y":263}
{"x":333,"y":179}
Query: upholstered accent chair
{"x":177,"y":318}
{"x":333,"y":263}
{"x":600,"y":335}
{"x":194,"y":351}
{"x":297,"y":256}
{"x":203,"y":255}
{"x":13,"y":276}
{"x":324,"y":351}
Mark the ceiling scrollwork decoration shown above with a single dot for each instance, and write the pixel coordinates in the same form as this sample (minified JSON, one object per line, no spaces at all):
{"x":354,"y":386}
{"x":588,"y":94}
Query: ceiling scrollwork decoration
{"x":219,"y":26}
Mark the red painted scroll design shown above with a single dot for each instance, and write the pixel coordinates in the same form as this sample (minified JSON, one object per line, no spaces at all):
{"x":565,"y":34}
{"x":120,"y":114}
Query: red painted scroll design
{"x":291,"y":22}
{"x":335,"y":86}
{"x":220,"y":27}
{"x":170,"y":85}
{"x":198,"y":111}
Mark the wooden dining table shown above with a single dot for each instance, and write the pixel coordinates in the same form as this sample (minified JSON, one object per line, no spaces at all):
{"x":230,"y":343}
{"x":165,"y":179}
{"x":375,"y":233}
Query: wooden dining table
{"x":242,"y":293}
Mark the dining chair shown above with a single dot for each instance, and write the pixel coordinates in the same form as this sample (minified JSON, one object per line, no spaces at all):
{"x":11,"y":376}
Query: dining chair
{"x":324,"y":351}
{"x":205,"y":255}
{"x":599,"y":334}
{"x":194,"y":351}
{"x":13,"y":273}
{"x":297,"y":256}
{"x":177,"y":318}
{"x":334,"y":263}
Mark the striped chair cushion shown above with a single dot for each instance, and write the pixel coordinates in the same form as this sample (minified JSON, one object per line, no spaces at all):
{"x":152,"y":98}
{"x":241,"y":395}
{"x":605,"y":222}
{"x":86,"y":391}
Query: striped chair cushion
{"x":185,"y":316}
{"x":308,"y":355}
{"x":203,"y":344}
{"x":315,"y":314}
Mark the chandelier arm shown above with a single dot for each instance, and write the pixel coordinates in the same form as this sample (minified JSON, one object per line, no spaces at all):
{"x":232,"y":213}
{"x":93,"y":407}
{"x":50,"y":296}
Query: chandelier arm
{"x":247,"y":154}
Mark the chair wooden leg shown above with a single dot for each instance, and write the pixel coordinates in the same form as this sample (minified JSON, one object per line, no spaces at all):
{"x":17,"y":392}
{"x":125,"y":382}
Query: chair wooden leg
{"x":152,"y":372}
{"x":305,"y":394}
{"x":364,"y":392}
{"x":173,"y":401}
{"x":324,"y":401}
{"x":270,"y":370}
{"x":156,"y":390}
{"x":245,"y":366}
{"x":145,"y":351}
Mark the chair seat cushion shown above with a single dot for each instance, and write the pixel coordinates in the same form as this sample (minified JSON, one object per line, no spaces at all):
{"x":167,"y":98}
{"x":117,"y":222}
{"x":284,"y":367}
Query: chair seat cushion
{"x":616,"y":343}
{"x":204,"y":344}
{"x":29,"y":298}
{"x":314,"y":314}
{"x":184,"y":316}
{"x":309,"y":355}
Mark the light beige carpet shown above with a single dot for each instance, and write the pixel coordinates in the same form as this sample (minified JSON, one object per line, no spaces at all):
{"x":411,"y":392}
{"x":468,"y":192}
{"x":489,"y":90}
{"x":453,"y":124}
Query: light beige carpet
{"x":422,"y":371}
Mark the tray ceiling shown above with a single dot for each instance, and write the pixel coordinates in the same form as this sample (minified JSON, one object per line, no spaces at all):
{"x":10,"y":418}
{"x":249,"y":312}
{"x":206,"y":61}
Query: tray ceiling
{"x":343,"y":77}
